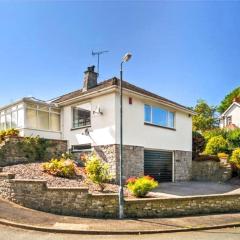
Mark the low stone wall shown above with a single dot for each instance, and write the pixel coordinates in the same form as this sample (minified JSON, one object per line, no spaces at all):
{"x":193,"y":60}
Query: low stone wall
{"x":65,"y":201}
{"x":11,"y":151}
{"x":211,"y":171}
{"x":79,"y":202}
{"x":183,"y":206}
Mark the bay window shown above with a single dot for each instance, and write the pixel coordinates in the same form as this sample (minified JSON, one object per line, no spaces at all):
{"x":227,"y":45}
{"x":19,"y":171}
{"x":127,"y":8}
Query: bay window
{"x":158,"y":116}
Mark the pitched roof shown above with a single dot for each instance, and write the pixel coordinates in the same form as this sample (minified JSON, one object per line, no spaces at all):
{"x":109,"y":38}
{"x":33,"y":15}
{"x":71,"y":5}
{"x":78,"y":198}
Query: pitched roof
{"x":234,"y":103}
{"x":116,"y":82}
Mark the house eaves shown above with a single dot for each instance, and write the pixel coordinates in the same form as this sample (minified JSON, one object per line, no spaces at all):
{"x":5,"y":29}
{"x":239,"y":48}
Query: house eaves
{"x":226,"y":111}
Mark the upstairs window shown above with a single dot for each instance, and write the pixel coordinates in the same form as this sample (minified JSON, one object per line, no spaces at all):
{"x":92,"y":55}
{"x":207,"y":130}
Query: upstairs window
{"x":81,"y":118}
{"x":159,"y":116}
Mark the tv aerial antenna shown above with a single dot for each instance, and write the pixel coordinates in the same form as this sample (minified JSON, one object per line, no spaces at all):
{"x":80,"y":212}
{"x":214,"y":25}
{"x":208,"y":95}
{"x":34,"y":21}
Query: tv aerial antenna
{"x":98,"y":57}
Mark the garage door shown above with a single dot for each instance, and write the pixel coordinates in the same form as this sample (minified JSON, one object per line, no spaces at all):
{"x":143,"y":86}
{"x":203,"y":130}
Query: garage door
{"x":158,"y":164}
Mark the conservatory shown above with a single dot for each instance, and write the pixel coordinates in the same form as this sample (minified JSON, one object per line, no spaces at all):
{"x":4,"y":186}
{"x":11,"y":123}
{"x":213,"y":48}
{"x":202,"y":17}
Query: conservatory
{"x":32,"y":117}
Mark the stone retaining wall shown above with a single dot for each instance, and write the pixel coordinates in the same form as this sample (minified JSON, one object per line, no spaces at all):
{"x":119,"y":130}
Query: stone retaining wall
{"x":79,"y":202}
{"x":11,"y":152}
{"x":133,"y":164}
{"x":183,"y":165}
{"x":211,"y":171}
{"x":65,"y":201}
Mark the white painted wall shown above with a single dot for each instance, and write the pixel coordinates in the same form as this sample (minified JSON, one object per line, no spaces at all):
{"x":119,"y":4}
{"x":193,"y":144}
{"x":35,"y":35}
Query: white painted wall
{"x":136,"y":133}
{"x":105,"y":128}
{"x":234,"y":111}
{"x":41,"y":133}
{"x":102,"y":131}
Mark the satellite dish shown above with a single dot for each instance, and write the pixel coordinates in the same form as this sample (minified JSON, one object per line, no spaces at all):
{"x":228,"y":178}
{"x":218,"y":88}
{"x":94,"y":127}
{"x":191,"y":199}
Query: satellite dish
{"x":98,"y":111}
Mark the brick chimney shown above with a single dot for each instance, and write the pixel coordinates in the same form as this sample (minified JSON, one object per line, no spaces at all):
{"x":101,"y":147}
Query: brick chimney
{"x":236,"y":99}
{"x":90,"y":78}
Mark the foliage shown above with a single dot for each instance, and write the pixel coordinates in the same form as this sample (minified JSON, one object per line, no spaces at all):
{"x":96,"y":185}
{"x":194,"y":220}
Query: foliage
{"x":215,"y":132}
{"x":60,"y":167}
{"x":97,"y":171}
{"x":204,"y":157}
{"x":233,"y":137}
{"x":216,"y":145}
{"x":35,"y":148}
{"x":227,"y":101}
{"x":198,"y":143}
{"x":223,"y":155}
{"x":235,"y":158}
{"x":205,"y":117}
{"x":12,"y":132}
{"x":139,"y":187}
{"x":67,"y":155}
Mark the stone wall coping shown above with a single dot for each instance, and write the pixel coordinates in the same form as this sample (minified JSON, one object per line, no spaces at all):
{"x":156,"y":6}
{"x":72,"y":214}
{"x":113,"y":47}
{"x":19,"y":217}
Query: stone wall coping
{"x":104,"y":194}
{"x":204,"y":197}
{"x":7,"y":175}
{"x":82,"y":189}
{"x":37,"y":181}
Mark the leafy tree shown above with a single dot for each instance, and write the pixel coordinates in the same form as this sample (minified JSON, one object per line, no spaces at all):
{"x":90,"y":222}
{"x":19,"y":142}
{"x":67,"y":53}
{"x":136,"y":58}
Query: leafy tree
{"x":198,"y":143}
{"x":205,"y":118}
{"x":227,"y":101}
{"x":216,"y":145}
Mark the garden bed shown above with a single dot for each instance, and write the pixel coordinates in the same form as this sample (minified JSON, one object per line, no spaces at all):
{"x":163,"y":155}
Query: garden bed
{"x":35,"y":171}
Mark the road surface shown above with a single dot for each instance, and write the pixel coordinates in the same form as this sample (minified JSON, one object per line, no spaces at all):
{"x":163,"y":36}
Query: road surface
{"x":9,"y":233}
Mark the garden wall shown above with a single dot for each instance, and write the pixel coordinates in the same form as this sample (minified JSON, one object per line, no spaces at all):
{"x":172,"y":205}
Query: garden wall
{"x":211,"y":170}
{"x":13,"y":152}
{"x":79,"y":202}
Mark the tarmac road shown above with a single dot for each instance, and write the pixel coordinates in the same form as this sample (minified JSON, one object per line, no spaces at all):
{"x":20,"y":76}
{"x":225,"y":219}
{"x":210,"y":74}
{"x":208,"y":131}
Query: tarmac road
{"x":9,"y":233}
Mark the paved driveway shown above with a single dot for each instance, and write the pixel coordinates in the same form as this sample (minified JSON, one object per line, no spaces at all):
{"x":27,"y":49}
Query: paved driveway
{"x":194,"y":188}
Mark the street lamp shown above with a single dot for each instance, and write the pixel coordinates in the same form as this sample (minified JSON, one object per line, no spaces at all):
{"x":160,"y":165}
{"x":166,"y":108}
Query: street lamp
{"x":126,"y":58}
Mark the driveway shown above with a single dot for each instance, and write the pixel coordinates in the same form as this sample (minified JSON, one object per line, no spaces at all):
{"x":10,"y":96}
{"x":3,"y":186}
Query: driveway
{"x":193,"y":188}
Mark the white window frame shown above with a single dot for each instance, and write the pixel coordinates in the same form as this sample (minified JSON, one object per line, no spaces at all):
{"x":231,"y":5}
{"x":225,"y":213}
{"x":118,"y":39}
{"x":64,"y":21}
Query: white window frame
{"x":168,"y":118}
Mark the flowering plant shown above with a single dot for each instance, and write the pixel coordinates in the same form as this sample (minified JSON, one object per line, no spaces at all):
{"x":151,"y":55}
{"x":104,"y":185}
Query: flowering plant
{"x":139,"y":187}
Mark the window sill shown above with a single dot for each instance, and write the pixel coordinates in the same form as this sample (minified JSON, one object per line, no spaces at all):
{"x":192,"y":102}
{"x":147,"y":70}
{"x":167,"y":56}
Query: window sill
{"x":154,"y":125}
{"x":77,"y":128}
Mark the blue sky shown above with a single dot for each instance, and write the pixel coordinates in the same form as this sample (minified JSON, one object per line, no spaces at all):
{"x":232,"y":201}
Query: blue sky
{"x":181,"y":50}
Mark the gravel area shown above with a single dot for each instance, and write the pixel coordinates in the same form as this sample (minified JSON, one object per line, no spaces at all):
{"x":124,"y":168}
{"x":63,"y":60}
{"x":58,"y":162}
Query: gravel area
{"x":35,"y":171}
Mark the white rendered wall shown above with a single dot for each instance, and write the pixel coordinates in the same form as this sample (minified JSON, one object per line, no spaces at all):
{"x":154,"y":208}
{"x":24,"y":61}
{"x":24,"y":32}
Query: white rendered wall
{"x":138,"y":134}
{"x":234,"y":111}
{"x":102,"y":130}
{"x":41,"y":133}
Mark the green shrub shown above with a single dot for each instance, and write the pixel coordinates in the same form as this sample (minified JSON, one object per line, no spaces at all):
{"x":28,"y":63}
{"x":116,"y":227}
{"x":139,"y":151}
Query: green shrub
{"x":60,"y":167}
{"x":204,"y":157}
{"x":198,"y":143}
{"x":233,"y":138}
{"x":214,"y":133}
{"x":139,"y":187}
{"x":216,"y":145}
{"x":97,"y":171}
{"x":35,"y":148}
{"x":235,"y":158}
{"x":12,"y":132}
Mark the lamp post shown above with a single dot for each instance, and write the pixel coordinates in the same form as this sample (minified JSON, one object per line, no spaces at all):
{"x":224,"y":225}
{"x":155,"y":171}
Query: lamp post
{"x":126,"y":58}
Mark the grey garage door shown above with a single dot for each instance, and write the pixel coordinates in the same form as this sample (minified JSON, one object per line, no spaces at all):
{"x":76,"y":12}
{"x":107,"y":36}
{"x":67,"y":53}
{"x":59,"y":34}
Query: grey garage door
{"x":158,"y":164}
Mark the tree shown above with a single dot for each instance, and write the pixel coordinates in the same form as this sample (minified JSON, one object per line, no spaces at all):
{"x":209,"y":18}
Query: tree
{"x":205,"y":118}
{"x":227,"y":101}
